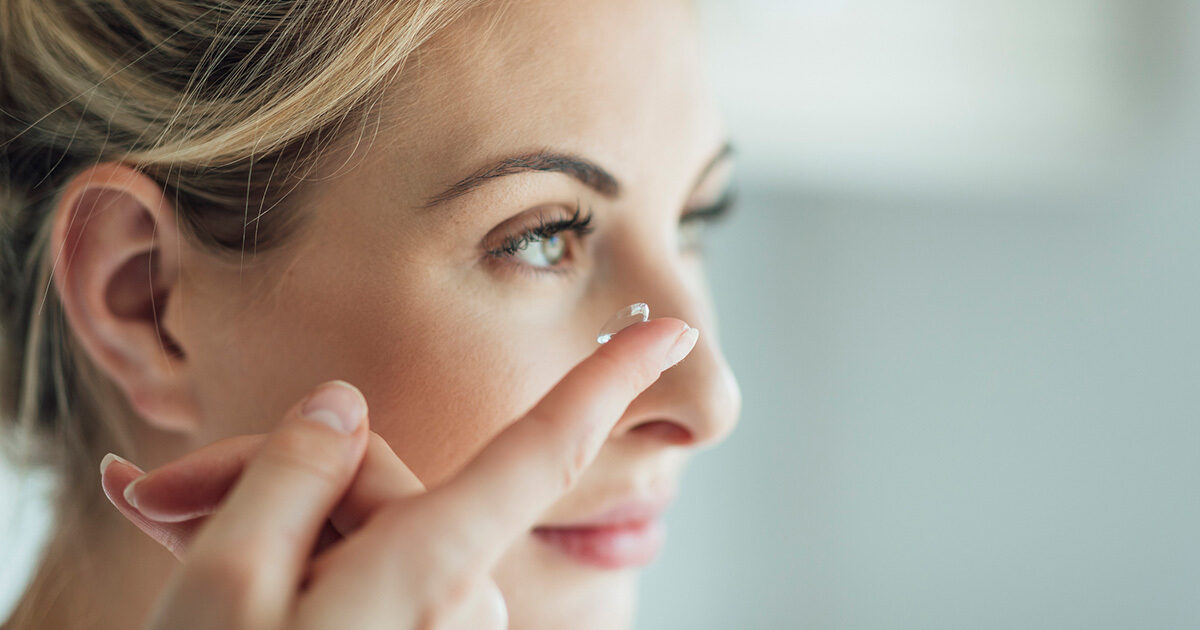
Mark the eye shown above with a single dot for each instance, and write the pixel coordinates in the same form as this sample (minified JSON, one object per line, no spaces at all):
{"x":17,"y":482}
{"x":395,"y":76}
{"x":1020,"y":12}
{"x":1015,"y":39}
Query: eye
{"x":542,"y":248}
{"x":542,"y":251}
{"x":694,"y":224}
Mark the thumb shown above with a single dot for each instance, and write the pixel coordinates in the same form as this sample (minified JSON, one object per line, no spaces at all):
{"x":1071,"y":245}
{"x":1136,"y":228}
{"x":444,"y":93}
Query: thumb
{"x":261,"y":536}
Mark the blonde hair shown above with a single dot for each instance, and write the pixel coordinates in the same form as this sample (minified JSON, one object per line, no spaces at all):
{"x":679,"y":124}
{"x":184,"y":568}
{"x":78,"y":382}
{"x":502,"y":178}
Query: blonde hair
{"x":224,"y":103}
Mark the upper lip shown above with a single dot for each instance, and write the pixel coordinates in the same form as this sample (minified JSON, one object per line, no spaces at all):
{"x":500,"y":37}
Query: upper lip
{"x":630,"y":509}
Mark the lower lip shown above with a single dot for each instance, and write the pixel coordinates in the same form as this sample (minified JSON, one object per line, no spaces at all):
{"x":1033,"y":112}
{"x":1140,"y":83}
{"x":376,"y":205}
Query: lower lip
{"x":607,"y":546}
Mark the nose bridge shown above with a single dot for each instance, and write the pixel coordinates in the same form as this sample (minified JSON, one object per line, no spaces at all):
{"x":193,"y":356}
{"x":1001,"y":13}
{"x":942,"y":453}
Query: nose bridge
{"x":701,"y":393}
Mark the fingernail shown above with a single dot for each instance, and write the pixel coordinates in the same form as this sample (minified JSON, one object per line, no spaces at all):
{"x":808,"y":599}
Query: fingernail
{"x":337,"y":404}
{"x":682,"y":347}
{"x":111,"y":458}
{"x":626,"y":317}
{"x":108,"y":461}
{"x":128,"y":492}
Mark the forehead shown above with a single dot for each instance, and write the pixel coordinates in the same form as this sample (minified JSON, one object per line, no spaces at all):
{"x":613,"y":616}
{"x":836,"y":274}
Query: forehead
{"x":618,"y":81}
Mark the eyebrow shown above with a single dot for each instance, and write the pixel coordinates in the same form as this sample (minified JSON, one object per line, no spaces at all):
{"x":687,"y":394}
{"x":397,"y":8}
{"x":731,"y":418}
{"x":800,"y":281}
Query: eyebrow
{"x":589,"y":173}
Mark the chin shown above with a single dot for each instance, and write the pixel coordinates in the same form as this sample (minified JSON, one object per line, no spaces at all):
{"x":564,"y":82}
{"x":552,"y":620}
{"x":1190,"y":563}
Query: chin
{"x":546,"y":590}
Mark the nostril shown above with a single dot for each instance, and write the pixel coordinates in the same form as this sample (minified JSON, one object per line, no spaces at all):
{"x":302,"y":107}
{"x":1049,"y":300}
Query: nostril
{"x":664,"y":430}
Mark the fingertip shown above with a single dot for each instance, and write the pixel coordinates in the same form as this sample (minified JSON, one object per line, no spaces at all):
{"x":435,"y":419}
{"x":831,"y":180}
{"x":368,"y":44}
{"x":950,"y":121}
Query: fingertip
{"x":336,"y":404}
{"x":128,"y":492}
{"x":681,"y":327}
{"x":113,"y":458}
{"x":682,"y":347}
{"x":647,"y":349}
{"x":116,"y":475}
{"x":291,"y":484}
{"x":106,"y":462}
{"x":645,"y":334}
{"x":670,"y":327}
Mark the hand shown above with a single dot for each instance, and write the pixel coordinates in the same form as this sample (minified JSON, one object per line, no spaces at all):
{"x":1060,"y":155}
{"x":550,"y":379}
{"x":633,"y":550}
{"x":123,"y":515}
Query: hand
{"x":246,"y":514}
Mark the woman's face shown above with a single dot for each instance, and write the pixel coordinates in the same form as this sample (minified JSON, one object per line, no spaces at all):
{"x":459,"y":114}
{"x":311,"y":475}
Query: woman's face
{"x":399,"y":281}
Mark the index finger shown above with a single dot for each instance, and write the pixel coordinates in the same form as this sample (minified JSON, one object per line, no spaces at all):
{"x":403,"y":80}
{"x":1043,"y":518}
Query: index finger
{"x":507,"y":486}
{"x":194,"y":485}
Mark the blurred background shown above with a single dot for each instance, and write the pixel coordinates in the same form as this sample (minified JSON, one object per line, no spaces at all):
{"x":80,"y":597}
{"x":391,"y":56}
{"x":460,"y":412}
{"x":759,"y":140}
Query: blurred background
{"x":960,"y":296}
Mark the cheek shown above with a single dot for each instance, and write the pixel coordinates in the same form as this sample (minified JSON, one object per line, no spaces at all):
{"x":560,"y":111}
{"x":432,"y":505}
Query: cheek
{"x":438,"y":385}
{"x":442,"y":373}
{"x":445,"y":358}
{"x":441,"y":387}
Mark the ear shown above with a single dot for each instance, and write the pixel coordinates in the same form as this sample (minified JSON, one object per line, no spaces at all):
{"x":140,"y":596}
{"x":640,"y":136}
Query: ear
{"x":117,"y":252}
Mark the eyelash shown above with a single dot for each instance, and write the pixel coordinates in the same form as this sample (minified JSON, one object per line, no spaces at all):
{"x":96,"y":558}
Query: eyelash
{"x":544,"y":229}
{"x":716,"y":211}
{"x":581,"y":226}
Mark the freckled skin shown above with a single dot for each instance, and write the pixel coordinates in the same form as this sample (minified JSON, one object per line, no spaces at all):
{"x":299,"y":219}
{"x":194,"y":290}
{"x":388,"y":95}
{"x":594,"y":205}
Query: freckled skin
{"x":447,"y":347}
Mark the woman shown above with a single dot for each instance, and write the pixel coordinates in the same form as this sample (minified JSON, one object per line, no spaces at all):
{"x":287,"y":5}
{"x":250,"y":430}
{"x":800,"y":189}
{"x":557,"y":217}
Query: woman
{"x":333,"y":273}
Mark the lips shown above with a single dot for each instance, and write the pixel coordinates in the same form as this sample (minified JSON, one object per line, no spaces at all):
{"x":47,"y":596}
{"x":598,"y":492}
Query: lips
{"x":628,"y":534}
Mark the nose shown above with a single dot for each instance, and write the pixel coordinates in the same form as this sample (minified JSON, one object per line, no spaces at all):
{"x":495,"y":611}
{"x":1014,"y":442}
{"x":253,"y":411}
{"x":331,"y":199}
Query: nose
{"x":698,"y":401}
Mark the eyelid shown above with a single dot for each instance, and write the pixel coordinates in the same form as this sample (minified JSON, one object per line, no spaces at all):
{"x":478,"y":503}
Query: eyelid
{"x":715,"y":211}
{"x":581,"y":226}
{"x":541,"y":226}
{"x":506,"y":253}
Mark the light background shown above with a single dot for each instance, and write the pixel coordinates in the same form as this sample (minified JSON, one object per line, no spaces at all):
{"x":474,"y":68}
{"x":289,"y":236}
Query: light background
{"x":960,"y":295}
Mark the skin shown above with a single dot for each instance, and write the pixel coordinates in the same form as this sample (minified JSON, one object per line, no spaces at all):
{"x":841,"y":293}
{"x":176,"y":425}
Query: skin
{"x":402,"y":556}
{"x":447,"y":345}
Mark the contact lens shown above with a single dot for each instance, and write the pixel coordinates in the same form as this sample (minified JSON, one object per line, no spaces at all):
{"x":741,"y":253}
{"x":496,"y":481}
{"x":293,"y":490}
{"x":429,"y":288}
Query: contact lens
{"x":624,"y":318}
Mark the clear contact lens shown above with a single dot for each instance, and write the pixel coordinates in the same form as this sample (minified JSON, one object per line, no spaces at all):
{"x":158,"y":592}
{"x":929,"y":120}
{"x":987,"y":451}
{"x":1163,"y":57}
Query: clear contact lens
{"x":626,"y":317}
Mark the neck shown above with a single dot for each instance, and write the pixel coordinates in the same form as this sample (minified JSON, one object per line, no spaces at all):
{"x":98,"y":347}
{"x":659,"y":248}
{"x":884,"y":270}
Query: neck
{"x":97,"y":573}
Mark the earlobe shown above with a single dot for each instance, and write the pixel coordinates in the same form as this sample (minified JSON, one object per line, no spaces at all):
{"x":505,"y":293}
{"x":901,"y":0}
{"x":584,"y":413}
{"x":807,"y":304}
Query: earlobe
{"x":116,"y":261}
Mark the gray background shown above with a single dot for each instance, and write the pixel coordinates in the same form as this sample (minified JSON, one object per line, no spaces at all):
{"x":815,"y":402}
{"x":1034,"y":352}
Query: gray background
{"x":960,"y":296}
